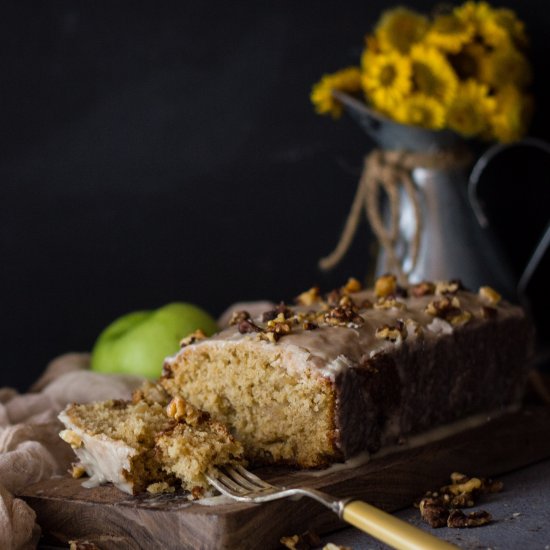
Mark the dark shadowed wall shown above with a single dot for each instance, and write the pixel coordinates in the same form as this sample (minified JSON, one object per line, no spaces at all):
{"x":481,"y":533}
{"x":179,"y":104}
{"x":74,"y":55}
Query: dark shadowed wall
{"x":162,"y":151}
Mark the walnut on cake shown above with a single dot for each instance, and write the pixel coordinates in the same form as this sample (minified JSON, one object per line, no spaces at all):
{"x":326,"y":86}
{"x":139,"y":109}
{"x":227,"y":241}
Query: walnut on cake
{"x":355,"y":369}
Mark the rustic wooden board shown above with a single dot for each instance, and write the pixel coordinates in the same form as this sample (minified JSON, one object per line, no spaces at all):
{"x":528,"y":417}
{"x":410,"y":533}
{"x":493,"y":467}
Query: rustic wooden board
{"x":113,"y":519}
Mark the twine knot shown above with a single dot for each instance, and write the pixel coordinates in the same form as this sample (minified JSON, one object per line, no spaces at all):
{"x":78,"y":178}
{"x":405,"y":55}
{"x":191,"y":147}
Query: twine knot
{"x":391,"y":171}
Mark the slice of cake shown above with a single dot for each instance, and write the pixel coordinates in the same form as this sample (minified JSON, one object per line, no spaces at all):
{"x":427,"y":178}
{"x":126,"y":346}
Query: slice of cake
{"x":353,"y":370}
{"x":153,"y":442}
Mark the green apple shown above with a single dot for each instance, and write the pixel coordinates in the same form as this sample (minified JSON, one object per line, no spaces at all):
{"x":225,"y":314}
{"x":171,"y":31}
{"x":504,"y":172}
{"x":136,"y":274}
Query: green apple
{"x":138,"y":343}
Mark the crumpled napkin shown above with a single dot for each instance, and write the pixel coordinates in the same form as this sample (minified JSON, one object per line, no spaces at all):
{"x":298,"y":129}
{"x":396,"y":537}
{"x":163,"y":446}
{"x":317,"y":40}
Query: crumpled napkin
{"x":30,"y":447}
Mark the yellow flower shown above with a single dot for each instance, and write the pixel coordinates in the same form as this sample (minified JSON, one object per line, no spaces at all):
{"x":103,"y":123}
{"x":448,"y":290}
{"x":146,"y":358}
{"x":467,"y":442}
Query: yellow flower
{"x":449,"y":33}
{"x":386,"y":78}
{"x":420,"y":110}
{"x":432,"y":74}
{"x":504,"y":66}
{"x":400,"y":28}
{"x":474,"y":13}
{"x":512,"y":114}
{"x":346,"y":80}
{"x":508,"y":20}
{"x":496,"y":27}
{"x":469,"y":113}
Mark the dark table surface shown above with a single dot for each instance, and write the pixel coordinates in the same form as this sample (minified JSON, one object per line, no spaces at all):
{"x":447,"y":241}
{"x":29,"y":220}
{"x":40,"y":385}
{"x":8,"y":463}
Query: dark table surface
{"x":521,"y":517}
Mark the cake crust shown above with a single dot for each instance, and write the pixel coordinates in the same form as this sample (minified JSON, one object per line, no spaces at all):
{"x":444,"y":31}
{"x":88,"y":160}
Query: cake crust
{"x":354,"y":370}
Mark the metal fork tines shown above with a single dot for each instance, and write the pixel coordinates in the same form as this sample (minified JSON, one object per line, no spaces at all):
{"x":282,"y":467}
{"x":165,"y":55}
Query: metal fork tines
{"x":241,"y":485}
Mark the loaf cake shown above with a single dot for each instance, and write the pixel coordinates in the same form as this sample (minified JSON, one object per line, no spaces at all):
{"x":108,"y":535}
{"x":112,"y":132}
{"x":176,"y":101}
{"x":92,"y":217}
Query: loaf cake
{"x":154,"y":442}
{"x":354,"y":370}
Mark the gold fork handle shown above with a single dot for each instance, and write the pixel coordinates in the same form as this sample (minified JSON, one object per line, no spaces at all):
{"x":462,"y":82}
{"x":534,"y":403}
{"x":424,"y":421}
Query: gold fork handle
{"x":391,"y":530}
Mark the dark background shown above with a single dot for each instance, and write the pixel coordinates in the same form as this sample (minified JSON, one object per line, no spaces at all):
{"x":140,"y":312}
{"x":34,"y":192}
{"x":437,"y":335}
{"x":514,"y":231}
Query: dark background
{"x":163,"y":151}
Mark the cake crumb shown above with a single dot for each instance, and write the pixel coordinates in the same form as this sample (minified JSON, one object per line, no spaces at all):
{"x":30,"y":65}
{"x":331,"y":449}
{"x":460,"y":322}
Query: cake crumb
{"x":77,"y":470}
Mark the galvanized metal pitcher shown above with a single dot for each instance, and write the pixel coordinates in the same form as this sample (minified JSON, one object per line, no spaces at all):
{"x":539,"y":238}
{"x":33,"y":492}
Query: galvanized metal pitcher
{"x":453,"y":244}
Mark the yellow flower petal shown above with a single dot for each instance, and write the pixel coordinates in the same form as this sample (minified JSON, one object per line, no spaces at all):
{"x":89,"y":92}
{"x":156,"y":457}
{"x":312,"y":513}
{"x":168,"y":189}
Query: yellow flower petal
{"x":512,"y":114}
{"x":386,"y":78}
{"x":495,"y":27}
{"x":449,"y":33}
{"x":400,"y":28}
{"x":504,"y":66}
{"x":471,"y":109}
{"x":346,"y":80}
{"x":432,"y":74}
{"x":420,"y":110}
{"x":508,"y":20}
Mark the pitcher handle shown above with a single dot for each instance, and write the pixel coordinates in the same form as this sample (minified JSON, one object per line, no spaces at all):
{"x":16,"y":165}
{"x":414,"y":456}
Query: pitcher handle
{"x":540,"y":250}
{"x":478,"y":169}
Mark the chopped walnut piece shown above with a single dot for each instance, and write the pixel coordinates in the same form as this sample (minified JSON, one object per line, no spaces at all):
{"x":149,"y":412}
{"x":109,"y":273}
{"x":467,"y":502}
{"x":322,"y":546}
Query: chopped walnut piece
{"x":425,"y":288}
{"x":489,"y":295}
{"x":459,"y":519}
{"x":343,"y":316}
{"x":353,"y":285}
{"x":444,"y":307}
{"x":413,"y":328}
{"x":239,"y":316}
{"x":309,"y":325}
{"x":305,"y":541}
{"x":192,"y":338}
{"x":460,"y":318}
{"x":385,"y":285}
{"x":333,"y":297}
{"x":180,"y":409}
{"x":461,"y":493}
{"x":447,"y":287}
{"x":465,"y":485}
{"x":434,"y":512}
{"x":389,"y":302}
{"x":309,"y":297}
{"x":395,"y":333}
{"x":248,"y":326}
{"x":269,"y":337}
{"x":273,"y":313}
{"x":279,"y":326}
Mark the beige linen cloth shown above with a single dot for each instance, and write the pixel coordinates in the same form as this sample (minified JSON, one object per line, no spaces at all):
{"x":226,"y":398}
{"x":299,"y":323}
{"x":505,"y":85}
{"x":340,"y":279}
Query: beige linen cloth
{"x":30,"y":447}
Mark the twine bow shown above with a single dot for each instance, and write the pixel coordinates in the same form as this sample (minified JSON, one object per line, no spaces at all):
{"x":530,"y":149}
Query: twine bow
{"x":390,"y":170}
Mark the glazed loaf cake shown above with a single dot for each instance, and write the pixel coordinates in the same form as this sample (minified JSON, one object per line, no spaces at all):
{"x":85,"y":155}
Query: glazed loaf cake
{"x":355,"y":369}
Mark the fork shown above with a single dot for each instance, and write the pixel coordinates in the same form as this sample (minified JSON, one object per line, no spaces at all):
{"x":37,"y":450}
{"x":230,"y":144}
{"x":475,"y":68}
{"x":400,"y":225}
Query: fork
{"x":239,"y":484}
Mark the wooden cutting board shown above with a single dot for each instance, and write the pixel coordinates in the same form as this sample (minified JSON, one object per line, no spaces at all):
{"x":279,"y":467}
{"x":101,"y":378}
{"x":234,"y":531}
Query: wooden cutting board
{"x":113,"y":519}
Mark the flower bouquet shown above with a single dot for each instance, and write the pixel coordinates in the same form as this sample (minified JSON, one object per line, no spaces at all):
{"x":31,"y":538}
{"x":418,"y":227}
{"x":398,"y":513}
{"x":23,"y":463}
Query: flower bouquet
{"x":462,"y":69}
{"x":424,"y":85}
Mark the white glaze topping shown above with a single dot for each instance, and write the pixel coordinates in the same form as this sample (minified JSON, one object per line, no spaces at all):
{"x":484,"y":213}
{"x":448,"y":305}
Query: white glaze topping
{"x":327,"y":350}
{"x":103,"y":458}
